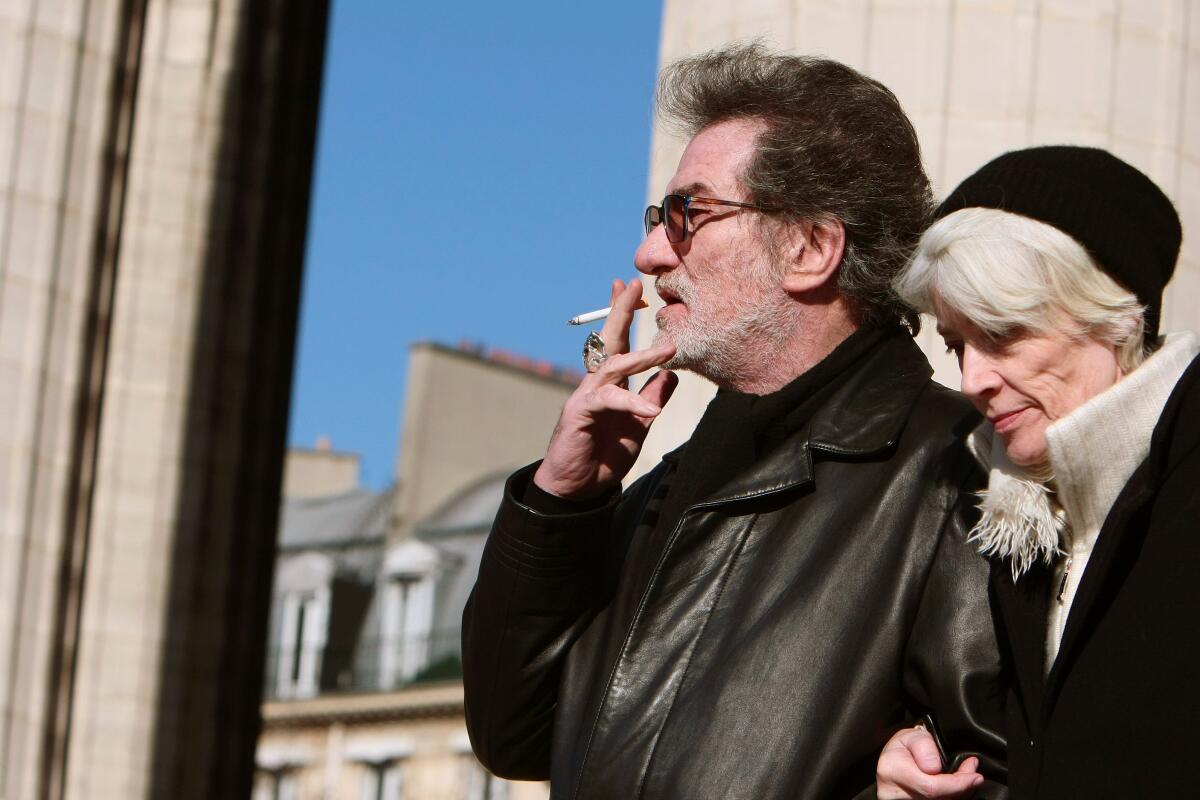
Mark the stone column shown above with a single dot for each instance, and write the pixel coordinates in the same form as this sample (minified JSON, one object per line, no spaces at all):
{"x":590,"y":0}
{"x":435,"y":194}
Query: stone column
{"x":155,"y":164}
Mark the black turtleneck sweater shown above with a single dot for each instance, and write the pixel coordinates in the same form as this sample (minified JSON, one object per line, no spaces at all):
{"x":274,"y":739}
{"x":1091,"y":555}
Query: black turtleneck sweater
{"x":736,"y":430}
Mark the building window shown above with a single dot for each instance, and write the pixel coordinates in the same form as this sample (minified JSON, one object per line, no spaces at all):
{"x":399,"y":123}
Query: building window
{"x":301,"y":643}
{"x":382,"y":780}
{"x":481,"y":784}
{"x":275,"y":784}
{"x":407,"y":626}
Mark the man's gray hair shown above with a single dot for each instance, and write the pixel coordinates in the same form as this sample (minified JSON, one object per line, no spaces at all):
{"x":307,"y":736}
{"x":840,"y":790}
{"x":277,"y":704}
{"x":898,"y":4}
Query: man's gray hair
{"x":1004,"y":272}
{"x":837,"y":145}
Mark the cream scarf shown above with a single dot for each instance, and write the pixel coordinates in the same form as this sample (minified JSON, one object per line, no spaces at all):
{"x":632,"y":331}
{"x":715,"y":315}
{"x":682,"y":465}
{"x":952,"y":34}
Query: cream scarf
{"x":1092,"y":452}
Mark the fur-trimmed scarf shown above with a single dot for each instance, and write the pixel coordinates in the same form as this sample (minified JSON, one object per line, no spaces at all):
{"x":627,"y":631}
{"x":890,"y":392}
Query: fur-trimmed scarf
{"x":1019,"y":519}
{"x":1027,"y":518}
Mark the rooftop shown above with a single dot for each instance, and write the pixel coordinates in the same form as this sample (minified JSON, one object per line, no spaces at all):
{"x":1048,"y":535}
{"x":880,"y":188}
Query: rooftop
{"x":358,"y":516}
{"x":508,"y":360}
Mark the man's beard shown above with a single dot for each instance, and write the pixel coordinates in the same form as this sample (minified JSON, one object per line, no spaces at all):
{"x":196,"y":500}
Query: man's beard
{"x":727,"y":350}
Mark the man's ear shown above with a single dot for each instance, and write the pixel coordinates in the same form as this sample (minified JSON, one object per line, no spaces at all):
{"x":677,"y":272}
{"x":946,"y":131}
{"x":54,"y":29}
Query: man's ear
{"x":814,"y":262}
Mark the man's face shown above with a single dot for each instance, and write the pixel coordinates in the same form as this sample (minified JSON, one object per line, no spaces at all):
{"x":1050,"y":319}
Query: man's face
{"x":725,"y":305}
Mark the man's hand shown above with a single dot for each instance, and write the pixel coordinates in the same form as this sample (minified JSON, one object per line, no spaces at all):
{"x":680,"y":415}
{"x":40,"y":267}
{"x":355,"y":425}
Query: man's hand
{"x":910,"y":767}
{"x":603,"y":424}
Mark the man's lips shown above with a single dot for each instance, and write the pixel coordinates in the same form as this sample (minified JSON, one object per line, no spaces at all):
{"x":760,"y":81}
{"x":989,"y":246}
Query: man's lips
{"x":673,"y":307}
{"x":667,"y":295}
{"x":1006,"y":421}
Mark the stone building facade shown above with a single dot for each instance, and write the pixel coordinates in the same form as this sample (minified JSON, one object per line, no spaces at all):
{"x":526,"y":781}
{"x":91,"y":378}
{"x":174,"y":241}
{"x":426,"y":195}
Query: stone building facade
{"x":979,"y":77}
{"x":468,"y":412}
{"x":363,"y":681}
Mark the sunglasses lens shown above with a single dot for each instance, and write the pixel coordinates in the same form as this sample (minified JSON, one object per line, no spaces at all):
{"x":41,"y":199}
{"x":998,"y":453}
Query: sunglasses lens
{"x":676,"y":215}
{"x":652,"y":217}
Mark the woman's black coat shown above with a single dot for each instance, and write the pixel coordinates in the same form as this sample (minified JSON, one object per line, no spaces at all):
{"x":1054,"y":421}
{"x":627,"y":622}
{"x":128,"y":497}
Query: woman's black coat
{"x":1119,"y":714}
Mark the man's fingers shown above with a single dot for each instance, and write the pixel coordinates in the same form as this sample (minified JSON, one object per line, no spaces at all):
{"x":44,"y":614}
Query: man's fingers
{"x":910,"y":766}
{"x":909,"y":781}
{"x":956,"y":785}
{"x":615,"y":332}
{"x":924,"y":749}
{"x":617,"y":368}
{"x":897,"y":769}
{"x":658,"y":389}
{"x":969,"y":766}
{"x":618,"y":286}
{"x":614,"y":398}
{"x":915,"y":746}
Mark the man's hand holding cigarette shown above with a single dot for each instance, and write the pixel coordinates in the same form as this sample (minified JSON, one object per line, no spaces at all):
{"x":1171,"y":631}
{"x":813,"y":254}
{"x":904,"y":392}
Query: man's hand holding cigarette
{"x":603,"y":424}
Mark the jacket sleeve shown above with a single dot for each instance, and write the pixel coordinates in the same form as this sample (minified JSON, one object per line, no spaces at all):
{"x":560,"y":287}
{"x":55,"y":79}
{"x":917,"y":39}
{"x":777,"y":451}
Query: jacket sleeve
{"x":541,"y":582}
{"x":952,"y":664}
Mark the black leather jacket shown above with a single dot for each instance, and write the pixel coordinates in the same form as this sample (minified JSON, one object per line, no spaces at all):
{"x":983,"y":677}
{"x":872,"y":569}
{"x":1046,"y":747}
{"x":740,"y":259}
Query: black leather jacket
{"x":770,"y":644}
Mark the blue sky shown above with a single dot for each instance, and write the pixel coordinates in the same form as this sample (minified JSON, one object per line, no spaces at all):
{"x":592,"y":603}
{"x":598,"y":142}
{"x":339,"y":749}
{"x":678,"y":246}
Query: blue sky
{"x":481,"y":173}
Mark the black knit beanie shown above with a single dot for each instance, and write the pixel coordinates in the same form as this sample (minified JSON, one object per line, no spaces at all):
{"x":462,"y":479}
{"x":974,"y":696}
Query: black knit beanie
{"x":1126,"y":223}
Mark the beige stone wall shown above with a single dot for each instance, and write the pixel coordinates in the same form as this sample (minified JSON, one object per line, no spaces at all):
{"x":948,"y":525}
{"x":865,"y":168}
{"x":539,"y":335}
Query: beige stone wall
{"x":326,"y":738}
{"x":47,"y":215}
{"x":979,"y":77}
{"x":467,"y":416}
{"x":139,"y":474}
{"x":147,"y":313}
{"x":319,"y":472}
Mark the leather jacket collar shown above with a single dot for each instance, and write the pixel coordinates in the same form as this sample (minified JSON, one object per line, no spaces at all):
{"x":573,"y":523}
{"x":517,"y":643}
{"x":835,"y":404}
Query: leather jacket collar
{"x":862,"y":419}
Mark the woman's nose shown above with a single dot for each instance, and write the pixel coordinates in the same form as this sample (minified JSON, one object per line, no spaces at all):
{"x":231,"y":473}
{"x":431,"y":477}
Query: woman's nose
{"x":979,"y":376}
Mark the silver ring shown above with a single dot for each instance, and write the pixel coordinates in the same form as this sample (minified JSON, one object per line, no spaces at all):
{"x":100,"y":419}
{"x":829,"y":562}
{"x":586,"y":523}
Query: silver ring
{"x":594,"y":353}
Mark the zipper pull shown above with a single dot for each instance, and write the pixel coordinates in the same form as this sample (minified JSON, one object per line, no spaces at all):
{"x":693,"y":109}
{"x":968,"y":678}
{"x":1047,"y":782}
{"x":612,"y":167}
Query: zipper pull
{"x":1062,"y":586}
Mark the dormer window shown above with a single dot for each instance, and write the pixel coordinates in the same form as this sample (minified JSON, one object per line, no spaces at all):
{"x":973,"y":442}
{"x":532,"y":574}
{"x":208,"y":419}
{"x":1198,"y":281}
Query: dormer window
{"x":410,"y":571}
{"x":302,"y":643}
{"x":407,"y":625}
{"x":303,"y":588}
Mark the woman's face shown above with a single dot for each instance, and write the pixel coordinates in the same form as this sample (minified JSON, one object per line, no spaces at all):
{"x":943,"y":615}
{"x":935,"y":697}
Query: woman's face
{"x":1027,"y":380}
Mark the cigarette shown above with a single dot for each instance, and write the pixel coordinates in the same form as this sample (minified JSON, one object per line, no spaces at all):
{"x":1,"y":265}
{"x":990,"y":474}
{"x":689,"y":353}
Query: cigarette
{"x":601,"y":313}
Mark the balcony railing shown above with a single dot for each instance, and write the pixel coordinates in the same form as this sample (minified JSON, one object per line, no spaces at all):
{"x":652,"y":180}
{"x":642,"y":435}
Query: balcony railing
{"x":369,"y":665}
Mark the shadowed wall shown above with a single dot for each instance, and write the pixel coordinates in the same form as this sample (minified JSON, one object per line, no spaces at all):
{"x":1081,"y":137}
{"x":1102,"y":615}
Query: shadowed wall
{"x":155,"y":164}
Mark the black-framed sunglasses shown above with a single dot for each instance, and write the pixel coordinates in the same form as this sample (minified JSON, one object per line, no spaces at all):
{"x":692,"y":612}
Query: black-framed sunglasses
{"x":674,"y":212}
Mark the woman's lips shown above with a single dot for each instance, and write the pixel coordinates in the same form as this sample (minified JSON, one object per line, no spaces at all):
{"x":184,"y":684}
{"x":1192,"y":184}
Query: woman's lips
{"x":1003,"y":423}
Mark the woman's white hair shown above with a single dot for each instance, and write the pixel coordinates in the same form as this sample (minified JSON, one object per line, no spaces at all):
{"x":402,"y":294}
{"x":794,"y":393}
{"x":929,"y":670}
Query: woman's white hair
{"x":1005,"y":272}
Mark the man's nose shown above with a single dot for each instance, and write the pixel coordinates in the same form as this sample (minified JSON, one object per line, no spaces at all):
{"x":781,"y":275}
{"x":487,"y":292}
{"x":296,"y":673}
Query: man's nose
{"x":655,"y":255}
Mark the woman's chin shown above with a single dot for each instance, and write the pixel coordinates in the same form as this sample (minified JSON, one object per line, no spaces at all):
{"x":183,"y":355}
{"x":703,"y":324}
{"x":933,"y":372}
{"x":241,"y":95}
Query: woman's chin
{"x":1025,"y":444}
{"x":1031,"y":459}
